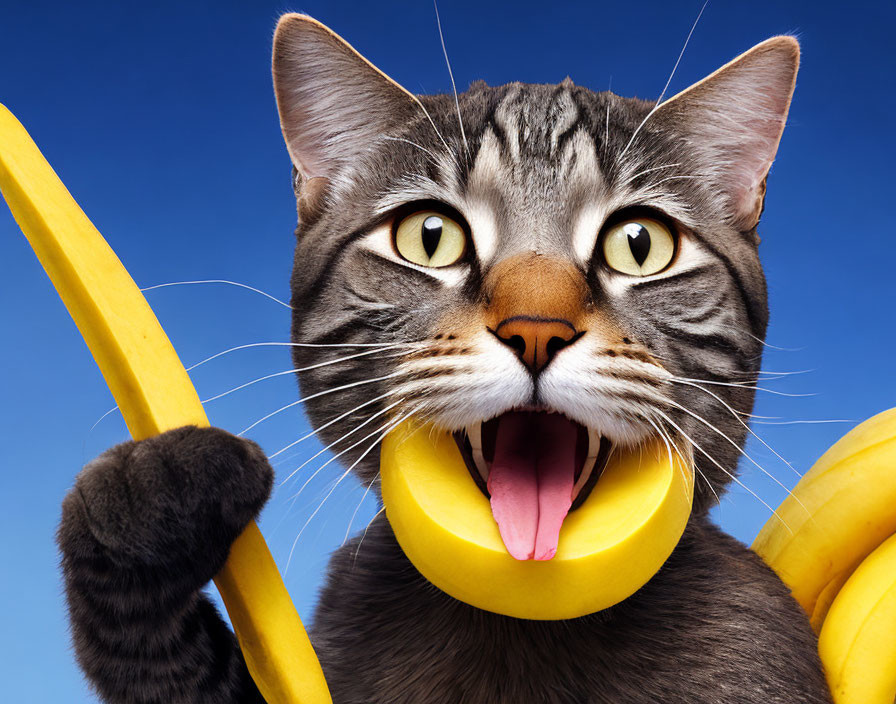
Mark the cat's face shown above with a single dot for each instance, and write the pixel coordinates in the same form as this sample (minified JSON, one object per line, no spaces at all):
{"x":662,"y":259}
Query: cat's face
{"x":529,"y":250}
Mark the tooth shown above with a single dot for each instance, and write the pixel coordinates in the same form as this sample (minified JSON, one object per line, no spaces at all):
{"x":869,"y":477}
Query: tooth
{"x":481,"y":464}
{"x":474,"y":434}
{"x":594,"y":438}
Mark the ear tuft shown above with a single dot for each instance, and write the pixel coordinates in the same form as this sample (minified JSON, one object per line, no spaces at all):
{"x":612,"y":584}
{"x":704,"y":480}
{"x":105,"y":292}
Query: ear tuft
{"x":332,"y":101}
{"x":733,"y":120}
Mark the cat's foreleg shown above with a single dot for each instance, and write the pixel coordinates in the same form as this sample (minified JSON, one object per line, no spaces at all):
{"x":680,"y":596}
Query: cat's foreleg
{"x":144,"y":529}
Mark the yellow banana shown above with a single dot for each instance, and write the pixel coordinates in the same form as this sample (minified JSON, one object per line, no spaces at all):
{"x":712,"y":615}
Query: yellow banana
{"x":857,"y":643}
{"x":833,"y":544}
{"x":609,"y":547}
{"x":154,"y":394}
{"x":839,"y":512}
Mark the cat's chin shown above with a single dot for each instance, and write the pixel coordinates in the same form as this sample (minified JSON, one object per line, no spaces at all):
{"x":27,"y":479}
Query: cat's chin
{"x":477,"y":443}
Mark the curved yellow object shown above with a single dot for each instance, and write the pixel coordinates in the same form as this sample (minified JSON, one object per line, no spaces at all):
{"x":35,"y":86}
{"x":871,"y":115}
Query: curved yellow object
{"x":857,"y":642}
{"x":609,"y":547}
{"x":839,"y":512}
{"x":154,"y":394}
{"x":833,"y":544}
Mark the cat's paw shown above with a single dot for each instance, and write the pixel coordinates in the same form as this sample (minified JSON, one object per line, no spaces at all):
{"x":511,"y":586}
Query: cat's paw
{"x":173,"y":502}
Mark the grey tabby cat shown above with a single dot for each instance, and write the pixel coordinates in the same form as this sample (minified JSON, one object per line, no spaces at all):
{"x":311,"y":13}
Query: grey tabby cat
{"x":526,"y":251}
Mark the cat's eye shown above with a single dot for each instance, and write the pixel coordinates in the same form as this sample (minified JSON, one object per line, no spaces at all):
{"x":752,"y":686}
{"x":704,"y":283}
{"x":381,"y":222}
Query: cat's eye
{"x":639,"y":246}
{"x":429,"y":238}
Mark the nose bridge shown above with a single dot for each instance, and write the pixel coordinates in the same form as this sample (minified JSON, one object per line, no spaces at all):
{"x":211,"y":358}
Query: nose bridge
{"x":535,"y":286}
{"x":536,"y":304}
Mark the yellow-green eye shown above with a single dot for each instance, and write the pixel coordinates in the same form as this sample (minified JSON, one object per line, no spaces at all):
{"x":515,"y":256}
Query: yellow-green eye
{"x":429,"y":238}
{"x":638,"y":247}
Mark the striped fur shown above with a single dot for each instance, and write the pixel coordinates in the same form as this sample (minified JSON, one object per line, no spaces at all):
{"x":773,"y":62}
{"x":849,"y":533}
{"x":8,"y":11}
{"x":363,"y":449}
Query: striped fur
{"x":535,"y":170}
{"x":543,"y":174}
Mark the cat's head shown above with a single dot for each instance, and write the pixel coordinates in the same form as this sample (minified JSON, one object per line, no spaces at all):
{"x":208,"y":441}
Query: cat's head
{"x":528,"y":250}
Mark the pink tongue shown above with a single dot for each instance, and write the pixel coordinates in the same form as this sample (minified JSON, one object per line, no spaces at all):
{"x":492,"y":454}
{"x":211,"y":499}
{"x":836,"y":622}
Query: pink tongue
{"x":531,"y":481}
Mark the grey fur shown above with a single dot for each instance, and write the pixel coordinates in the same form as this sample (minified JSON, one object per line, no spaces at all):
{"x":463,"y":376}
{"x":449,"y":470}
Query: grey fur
{"x":715,"y":625}
{"x":540,"y":169}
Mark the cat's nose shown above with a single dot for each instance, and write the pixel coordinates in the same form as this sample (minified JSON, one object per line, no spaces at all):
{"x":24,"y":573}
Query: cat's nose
{"x":536,"y":340}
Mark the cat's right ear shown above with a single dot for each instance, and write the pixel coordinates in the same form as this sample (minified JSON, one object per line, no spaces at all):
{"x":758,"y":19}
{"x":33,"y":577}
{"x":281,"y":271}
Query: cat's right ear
{"x":332,"y":101}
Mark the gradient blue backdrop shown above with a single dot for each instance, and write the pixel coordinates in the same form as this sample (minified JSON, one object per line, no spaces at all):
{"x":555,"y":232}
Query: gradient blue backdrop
{"x":160,"y":119}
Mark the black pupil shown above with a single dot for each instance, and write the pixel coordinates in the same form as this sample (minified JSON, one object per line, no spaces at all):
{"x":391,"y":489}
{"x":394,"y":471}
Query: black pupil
{"x":638,"y":241}
{"x":432,"y":233}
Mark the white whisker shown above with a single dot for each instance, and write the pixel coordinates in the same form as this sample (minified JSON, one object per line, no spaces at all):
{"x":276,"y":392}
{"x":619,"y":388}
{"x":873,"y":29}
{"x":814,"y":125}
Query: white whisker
{"x":666,"y":440}
{"x":298,"y":370}
{"x":354,"y":464}
{"x":647,"y":171}
{"x":460,"y":120}
{"x":413,"y":144}
{"x":607,"y":125}
{"x":668,"y":82}
{"x":743,"y":452}
{"x":341,"y":452}
{"x":218,"y":281}
{"x":742,"y":386}
{"x":317,"y":395}
{"x":716,"y":463}
{"x":358,"y":508}
{"x":364,"y":535}
{"x":322,"y":345}
{"x":735,"y":414}
{"x":329,"y":423}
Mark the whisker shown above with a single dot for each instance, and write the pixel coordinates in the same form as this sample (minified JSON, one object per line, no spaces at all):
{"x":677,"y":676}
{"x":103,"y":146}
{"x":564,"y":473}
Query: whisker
{"x":668,"y":436}
{"x":804,"y":422}
{"x":382,"y":346}
{"x":354,"y":464}
{"x":358,"y":508}
{"x":100,"y":419}
{"x":732,"y":476}
{"x":763,"y":342}
{"x":677,"y":178}
{"x":668,"y":82}
{"x":666,"y":440}
{"x":413,"y":144}
{"x":341,"y":452}
{"x":460,"y":120}
{"x":328,"y":424}
{"x":317,"y":395}
{"x":294,"y":371}
{"x":743,"y":452}
{"x":364,"y":535}
{"x":321,"y":345}
{"x":746,"y":425}
{"x":218,"y":281}
{"x":647,"y":171}
{"x":607,"y":125}
{"x":742,"y":386}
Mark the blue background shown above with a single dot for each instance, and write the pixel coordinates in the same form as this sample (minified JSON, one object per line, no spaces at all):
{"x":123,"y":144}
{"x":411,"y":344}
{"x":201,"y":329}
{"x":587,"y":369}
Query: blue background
{"x":160,"y":119}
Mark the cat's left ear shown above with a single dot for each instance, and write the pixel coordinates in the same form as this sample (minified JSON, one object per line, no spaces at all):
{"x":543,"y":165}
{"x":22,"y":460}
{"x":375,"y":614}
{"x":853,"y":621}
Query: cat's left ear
{"x":733,"y":120}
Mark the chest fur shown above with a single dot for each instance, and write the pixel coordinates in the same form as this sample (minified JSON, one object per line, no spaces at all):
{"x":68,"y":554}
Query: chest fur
{"x":715,"y":625}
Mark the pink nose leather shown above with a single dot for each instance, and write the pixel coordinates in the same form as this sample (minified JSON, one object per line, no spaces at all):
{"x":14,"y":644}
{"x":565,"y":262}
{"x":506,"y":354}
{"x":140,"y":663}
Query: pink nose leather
{"x":535,"y":340}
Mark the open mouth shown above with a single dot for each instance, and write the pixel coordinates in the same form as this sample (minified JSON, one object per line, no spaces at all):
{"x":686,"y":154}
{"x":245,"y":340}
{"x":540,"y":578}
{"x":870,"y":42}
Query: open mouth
{"x":535,"y":467}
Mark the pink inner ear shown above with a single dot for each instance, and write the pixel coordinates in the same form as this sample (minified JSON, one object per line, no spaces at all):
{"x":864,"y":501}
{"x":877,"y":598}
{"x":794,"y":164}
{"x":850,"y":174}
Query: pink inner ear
{"x":746,"y":190}
{"x":332,"y":102}
{"x":734,"y":119}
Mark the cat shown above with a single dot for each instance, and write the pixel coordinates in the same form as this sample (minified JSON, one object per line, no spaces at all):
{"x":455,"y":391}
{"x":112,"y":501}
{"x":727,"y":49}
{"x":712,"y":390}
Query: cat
{"x":516,"y":251}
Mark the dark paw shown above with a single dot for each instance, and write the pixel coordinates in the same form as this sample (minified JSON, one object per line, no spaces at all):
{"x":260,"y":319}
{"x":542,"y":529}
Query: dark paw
{"x":173,"y":502}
